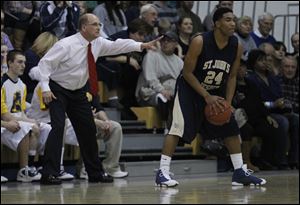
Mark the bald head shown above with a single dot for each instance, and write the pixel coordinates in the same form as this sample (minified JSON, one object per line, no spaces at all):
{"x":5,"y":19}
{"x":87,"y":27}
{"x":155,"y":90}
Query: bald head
{"x":85,"y":19}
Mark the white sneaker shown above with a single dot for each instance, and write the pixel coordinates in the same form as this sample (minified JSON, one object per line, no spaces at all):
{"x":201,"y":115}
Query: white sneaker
{"x":83,"y":174}
{"x":65,"y":176}
{"x":3,"y":179}
{"x":118,"y":174}
{"x":28,"y":175}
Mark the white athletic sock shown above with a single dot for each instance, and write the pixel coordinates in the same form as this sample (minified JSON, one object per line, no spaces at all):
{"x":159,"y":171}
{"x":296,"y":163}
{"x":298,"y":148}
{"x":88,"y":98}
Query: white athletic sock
{"x":165,"y":164}
{"x":237,"y":160}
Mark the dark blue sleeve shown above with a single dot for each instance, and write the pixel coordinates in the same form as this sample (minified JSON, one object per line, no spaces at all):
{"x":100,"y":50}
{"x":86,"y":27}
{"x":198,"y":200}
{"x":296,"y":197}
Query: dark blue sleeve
{"x":72,"y":19}
{"x":50,"y":21}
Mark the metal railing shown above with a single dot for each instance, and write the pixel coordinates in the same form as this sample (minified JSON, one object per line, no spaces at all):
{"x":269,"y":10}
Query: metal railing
{"x":284,"y":24}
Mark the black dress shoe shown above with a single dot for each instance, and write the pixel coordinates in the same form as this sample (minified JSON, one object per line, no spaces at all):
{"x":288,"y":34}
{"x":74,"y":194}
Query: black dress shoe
{"x":103,"y":177}
{"x":50,"y":180}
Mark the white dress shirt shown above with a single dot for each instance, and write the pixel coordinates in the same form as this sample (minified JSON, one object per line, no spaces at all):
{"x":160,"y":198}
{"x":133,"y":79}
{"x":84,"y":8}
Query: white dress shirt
{"x":66,"y":62}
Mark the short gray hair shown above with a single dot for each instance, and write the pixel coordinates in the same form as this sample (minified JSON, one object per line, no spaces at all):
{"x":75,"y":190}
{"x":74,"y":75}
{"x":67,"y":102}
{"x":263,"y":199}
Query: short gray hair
{"x":146,"y":8}
{"x":265,"y":15}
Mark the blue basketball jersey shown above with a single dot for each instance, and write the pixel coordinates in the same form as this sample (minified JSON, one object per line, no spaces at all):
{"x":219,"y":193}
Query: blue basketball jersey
{"x":214,"y":64}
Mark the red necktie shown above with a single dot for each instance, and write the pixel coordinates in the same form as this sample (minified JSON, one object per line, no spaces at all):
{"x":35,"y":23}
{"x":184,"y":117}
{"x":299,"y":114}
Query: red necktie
{"x":92,"y":72}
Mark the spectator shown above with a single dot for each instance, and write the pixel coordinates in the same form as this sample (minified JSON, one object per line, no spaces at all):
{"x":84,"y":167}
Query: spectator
{"x":40,"y":47}
{"x":166,"y":12}
{"x":278,"y":55}
{"x":156,"y":84}
{"x":262,"y":33}
{"x":112,"y":17}
{"x":290,"y":81}
{"x":133,"y":10}
{"x":164,"y":25}
{"x":244,"y":28}
{"x":271,"y":94}
{"x":186,"y":11}
{"x":295,"y":44}
{"x":184,"y":29}
{"x":19,"y":16}
{"x":4,"y":37}
{"x":15,"y":134}
{"x":149,"y":14}
{"x":82,"y":7}
{"x":111,"y":133}
{"x":14,"y":94}
{"x":4,"y":51}
{"x":122,"y":71}
{"x":290,"y":89}
{"x":60,"y":18}
{"x":258,"y":122}
{"x":208,"y":20}
{"x":269,"y":49}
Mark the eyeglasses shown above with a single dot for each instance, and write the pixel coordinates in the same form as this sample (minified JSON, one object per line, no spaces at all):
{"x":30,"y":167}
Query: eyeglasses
{"x":95,"y":24}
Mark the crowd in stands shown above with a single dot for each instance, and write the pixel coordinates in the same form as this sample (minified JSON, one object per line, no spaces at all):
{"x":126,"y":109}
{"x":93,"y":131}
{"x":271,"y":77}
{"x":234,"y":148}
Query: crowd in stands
{"x":267,"y":94}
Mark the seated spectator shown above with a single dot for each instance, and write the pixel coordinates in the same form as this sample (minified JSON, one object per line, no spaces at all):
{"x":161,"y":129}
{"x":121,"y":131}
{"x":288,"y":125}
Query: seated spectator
{"x":244,"y":28}
{"x":156,"y":83}
{"x":165,"y":11}
{"x":4,"y":37}
{"x":133,"y":10}
{"x":269,"y":50}
{"x":111,"y":133}
{"x":290,"y":81}
{"x":278,"y":55}
{"x":60,"y":18}
{"x":112,"y":16}
{"x":272,"y":97}
{"x":122,"y":71}
{"x":263,"y":33}
{"x":13,"y":93}
{"x":149,"y":14}
{"x":82,"y":7}
{"x":4,"y":51}
{"x":15,"y":135}
{"x":255,"y":120}
{"x":20,"y":17}
{"x":186,"y":10}
{"x":295,"y":44}
{"x":184,"y":29}
{"x":290,"y":89}
{"x":164,"y":25}
{"x":40,"y":47}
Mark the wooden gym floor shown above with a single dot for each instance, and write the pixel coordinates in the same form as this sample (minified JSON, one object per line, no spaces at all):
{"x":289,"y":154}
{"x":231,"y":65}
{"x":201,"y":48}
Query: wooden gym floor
{"x":282,"y":188}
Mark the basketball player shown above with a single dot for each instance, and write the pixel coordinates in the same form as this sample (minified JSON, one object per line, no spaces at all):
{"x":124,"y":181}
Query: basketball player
{"x":208,"y":77}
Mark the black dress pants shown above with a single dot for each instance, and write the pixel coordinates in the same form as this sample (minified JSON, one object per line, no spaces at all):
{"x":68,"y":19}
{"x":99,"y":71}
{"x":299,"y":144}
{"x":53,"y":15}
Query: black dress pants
{"x":76,"y":106}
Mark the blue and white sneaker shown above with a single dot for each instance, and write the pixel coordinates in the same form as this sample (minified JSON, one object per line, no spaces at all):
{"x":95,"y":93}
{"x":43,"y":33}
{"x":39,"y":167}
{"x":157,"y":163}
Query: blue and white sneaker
{"x":163,"y":179}
{"x":243,"y":177}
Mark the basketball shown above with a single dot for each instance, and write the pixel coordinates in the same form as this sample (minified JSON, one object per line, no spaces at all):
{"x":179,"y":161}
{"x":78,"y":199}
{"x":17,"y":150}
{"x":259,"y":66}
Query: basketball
{"x":221,"y":117}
